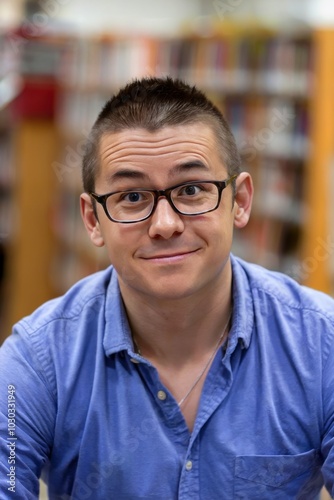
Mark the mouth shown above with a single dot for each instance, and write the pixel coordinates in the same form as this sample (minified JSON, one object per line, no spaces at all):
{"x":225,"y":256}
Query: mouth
{"x":170,"y":257}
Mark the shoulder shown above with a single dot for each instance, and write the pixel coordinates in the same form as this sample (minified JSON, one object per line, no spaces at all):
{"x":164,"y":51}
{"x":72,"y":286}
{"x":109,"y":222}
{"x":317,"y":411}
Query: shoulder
{"x":67,"y":322}
{"x":56,"y":338}
{"x":70,"y":306}
{"x":285,"y":313}
{"x":282,"y":289}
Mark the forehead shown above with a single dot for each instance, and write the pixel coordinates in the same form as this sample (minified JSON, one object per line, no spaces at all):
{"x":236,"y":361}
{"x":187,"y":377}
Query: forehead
{"x":164,"y":148}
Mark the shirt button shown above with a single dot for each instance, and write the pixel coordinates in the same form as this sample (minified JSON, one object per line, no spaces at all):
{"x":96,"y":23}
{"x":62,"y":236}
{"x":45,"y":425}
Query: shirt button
{"x":134,"y":360}
{"x":162,"y":395}
{"x":189,"y":465}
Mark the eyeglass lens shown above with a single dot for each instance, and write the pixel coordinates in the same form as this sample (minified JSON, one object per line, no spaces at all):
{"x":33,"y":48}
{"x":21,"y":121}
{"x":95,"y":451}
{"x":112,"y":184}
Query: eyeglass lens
{"x":188,"y":199}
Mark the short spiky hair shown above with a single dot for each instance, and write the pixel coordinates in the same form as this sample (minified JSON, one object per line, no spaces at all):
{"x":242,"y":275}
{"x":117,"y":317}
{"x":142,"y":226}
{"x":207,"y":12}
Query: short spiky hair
{"x":151,"y":104}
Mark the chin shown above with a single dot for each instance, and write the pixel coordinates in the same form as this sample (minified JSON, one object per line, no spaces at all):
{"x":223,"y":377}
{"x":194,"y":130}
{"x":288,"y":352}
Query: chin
{"x":168,"y":291}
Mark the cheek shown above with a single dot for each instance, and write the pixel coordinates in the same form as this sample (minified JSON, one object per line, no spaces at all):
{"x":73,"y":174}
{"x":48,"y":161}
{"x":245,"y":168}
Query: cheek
{"x":221,"y":242}
{"x":119,"y":255}
{"x":121,"y":242}
{"x":217,"y":232}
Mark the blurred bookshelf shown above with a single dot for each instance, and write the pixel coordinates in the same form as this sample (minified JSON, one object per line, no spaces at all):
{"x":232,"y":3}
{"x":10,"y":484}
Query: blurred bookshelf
{"x":10,"y":85}
{"x":275,"y":89}
{"x":28,"y":145}
{"x":270,"y":86}
{"x":6,"y":208}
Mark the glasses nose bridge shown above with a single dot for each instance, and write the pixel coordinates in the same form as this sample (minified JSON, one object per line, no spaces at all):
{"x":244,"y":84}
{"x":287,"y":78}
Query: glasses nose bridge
{"x":163,"y":193}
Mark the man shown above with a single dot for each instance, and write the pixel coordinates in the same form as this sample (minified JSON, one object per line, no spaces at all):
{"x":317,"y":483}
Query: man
{"x":180,"y":372}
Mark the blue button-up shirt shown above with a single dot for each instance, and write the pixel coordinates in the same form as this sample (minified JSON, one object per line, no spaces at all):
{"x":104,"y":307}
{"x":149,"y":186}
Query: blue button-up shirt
{"x":88,"y":416}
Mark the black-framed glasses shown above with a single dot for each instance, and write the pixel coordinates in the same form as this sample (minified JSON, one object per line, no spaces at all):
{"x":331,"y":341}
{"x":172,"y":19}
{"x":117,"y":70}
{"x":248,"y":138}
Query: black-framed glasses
{"x":189,"y":198}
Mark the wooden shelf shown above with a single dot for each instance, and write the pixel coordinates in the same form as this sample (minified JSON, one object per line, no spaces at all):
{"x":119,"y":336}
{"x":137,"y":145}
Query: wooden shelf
{"x":33,"y":242}
{"x":318,"y":245}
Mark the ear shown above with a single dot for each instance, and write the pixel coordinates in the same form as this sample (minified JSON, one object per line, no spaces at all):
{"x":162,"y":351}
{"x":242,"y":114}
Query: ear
{"x":243,"y":199}
{"x":91,"y":223}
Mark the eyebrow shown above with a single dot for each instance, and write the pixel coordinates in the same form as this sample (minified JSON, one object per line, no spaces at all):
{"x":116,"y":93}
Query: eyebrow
{"x":128,"y":173}
{"x":188,"y":166}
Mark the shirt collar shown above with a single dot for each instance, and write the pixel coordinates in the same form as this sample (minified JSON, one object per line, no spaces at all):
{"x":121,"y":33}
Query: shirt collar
{"x":243,"y":311}
{"x":117,"y":336}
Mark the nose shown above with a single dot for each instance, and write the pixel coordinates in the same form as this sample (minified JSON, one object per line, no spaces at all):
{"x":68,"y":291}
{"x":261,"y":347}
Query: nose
{"x":165,"y":222}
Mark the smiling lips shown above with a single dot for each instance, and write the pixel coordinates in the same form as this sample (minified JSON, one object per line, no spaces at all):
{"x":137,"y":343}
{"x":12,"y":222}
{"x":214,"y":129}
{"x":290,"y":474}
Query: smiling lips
{"x":170,"y":257}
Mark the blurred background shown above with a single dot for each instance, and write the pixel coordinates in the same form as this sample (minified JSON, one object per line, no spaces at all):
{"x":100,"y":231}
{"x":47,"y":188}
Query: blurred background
{"x":268,"y":65}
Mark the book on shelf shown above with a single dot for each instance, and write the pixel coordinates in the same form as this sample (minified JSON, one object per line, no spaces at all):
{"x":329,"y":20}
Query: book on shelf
{"x":273,"y":126}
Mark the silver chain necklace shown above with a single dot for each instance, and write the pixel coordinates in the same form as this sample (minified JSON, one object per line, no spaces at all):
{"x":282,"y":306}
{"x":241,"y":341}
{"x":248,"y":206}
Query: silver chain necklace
{"x":180,"y":403}
{"x":207,"y":364}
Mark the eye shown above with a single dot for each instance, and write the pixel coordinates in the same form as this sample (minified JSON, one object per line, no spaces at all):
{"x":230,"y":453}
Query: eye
{"x":133,"y":197}
{"x":190,"y":190}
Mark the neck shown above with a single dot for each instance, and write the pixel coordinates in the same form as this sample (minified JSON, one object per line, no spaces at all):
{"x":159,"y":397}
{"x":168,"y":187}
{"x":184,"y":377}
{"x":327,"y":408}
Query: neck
{"x":176,"y":330}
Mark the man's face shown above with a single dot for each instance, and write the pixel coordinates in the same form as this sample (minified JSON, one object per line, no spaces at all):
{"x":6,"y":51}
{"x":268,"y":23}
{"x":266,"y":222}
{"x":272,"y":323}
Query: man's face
{"x":168,"y":256}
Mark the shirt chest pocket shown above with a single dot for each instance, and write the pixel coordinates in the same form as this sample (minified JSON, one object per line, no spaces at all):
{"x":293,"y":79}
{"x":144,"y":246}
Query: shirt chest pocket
{"x":284,"y":477}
